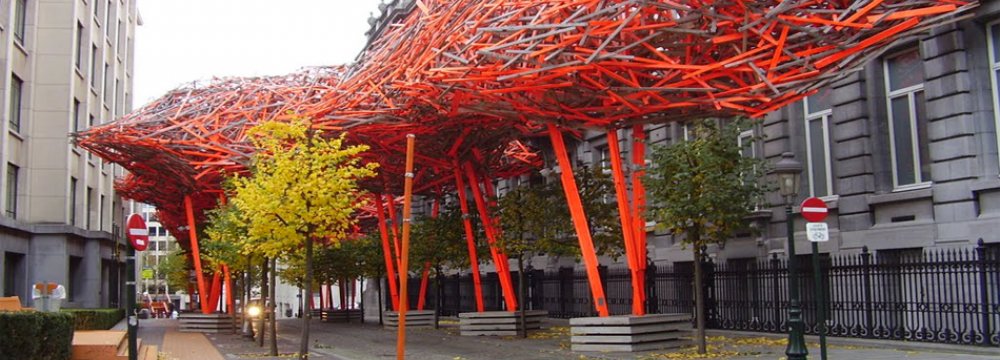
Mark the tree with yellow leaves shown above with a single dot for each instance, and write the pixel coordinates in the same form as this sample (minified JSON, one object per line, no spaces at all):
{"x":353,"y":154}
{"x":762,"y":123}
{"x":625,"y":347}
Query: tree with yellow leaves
{"x":303,"y":187}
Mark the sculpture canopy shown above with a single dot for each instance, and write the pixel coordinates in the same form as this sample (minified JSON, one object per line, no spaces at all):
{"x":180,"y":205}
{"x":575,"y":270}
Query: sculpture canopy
{"x":473,"y":77}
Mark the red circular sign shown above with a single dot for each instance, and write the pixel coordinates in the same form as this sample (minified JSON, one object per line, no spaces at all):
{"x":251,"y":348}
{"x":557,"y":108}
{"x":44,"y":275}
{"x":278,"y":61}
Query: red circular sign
{"x":813,"y":209}
{"x":137,"y":232}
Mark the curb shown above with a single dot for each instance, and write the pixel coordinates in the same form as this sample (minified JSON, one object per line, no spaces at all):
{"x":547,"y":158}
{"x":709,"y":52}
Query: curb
{"x":874,"y":343}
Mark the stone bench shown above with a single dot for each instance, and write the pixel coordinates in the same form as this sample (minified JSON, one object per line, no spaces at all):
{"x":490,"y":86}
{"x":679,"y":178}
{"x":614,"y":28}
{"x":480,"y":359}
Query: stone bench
{"x":414,"y":319}
{"x":629,"y":333}
{"x":499,"y":323}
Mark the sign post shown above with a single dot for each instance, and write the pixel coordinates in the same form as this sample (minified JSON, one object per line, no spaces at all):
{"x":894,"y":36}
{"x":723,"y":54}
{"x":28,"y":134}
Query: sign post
{"x":138,"y":236}
{"x":814,"y":210}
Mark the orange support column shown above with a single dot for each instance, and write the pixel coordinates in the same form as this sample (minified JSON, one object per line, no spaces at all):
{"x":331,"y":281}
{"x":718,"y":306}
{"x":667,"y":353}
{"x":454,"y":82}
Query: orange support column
{"x":213,"y":297}
{"x":579,"y":220}
{"x":639,"y":201}
{"x":229,"y":290}
{"x":405,"y":253}
{"x":625,"y":215}
{"x":193,"y":235}
{"x":470,"y":240}
{"x":499,"y":259}
{"x":395,"y":231}
{"x":390,"y":266}
{"x":422,"y":300}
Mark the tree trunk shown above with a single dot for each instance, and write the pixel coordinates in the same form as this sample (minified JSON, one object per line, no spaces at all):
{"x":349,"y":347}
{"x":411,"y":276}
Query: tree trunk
{"x":271,"y":308}
{"x":699,"y":301}
{"x":437,"y":296}
{"x":523,"y":327}
{"x":261,"y":324}
{"x":378,"y":287}
{"x":304,"y":343}
{"x":361,"y":304}
{"x":247,"y":294}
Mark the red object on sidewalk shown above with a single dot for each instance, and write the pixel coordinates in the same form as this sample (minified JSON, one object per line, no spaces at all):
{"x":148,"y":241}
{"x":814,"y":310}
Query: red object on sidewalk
{"x":814,"y":209}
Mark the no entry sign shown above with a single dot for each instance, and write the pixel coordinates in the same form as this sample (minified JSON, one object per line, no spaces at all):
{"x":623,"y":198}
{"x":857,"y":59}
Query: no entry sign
{"x":813,"y":209}
{"x":138,"y":234}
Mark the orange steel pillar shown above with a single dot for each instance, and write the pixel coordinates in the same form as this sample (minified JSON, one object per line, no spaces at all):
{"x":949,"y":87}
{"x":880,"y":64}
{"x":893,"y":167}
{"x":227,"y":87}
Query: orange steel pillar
{"x":405,"y":253}
{"x":579,"y":220}
{"x":470,"y":239}
{"x":213,"y":297}
{"x":390,"y":267}
{"x":422,"y":300}
{"x":625,"y":215}
{"x":395,"y":232}
{"x":193,"y":235}
{"x":639,"y":201}
{"x":229,"y":290}
{"x":499,"y":258}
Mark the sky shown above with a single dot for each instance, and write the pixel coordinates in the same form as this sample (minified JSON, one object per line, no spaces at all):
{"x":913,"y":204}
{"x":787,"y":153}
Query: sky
{"x":185,"y":40}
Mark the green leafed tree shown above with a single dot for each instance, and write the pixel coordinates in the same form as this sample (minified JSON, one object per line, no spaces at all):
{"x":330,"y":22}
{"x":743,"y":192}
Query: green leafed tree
{"x":702,"y":190}
{"x":303,"y":187}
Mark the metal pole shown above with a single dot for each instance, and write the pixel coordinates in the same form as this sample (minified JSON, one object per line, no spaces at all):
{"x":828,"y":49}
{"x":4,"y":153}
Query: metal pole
{"x":820,"y":291}
{"x":796,"y":349}
{"x":130,"y":310}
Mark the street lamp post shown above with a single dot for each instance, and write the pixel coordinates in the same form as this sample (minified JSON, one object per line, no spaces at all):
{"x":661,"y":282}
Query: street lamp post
{"x":788,"y":172}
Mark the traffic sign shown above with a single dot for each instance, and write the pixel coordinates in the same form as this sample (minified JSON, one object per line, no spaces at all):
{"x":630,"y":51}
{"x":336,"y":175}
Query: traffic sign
{"x":138,"y":234}
{"x":817,"y":232}
{"x":813,"y":209}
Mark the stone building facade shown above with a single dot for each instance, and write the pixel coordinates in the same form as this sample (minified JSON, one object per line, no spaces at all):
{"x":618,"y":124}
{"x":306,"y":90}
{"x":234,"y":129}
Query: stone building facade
{"x":65,"y":65}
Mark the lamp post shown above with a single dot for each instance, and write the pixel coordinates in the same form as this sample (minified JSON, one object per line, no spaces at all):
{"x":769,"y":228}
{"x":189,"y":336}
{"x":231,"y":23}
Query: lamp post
{"x":788,"y":172}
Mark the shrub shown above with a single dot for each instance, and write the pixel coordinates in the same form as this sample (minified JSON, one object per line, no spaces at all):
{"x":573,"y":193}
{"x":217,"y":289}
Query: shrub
{"x":96,"y":319}
{"x":35,"y":335}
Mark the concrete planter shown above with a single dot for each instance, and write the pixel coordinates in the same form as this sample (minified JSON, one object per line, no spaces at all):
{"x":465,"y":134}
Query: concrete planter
{"x":414,"y":319}
{"x":499,"y":323}
{"x":206,"y":323}
{"x":629,"y":333}
{"x":340,"y":316}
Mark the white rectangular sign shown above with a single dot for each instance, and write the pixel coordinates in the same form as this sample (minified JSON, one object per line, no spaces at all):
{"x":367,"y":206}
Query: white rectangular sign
{"x":817,"y":232}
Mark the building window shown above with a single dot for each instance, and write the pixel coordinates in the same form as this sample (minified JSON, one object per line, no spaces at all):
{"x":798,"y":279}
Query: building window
{"x":100,"y":215}
{"x":20,"y":9}
{"x":78,"y":59}
{"x":994,"y":49}
{"x":90,"y":206}
{"x":16,"y":87}
{"x":818,"y":109}
{"x":746,"y":144}
{"x":93,"y":66}
{"x":107,"y":83}
{"x":72,"y":201}
{"x":107,"y":19}
{"x":76,"y":115}
{"x":11,"y":206}
{"x":904,"y":83}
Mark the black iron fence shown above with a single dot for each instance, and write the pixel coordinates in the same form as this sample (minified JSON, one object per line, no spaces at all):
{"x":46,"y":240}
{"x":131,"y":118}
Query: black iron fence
{"x":941,"y":295}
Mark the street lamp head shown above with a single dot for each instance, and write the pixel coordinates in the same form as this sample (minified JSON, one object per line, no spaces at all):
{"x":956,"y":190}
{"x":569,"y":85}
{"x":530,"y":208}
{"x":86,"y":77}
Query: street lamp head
{"x":787,"y":172}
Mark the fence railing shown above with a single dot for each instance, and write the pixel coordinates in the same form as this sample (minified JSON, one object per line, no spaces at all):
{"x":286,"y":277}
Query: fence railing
{"x":940,"y":295}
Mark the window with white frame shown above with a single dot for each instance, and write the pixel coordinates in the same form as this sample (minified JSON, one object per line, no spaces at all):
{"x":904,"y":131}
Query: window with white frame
{"x":746,"y":143}
{"x":818,"y":110}
{"x":906,"y":105}
{"x":993,"y":42}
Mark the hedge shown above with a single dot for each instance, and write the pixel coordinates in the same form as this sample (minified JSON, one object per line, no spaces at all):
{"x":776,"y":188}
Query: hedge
{"x":35,"y":335}
{"x":96,"y":319}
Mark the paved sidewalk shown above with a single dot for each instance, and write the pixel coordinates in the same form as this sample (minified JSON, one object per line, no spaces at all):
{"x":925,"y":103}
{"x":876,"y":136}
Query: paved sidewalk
{"x":175,"y":345}
{"x":370,"y":342}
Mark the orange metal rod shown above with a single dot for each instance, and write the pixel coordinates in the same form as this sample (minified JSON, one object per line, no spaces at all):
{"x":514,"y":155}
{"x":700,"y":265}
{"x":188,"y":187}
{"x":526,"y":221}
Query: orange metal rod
{"x":229,"y":290}
{"x":193,"y":235}
{"x":390,"y":267}
{"x":499,"y":261}
{"x":422,"y":300}
{"x":470,"y":239}
{"x":639,"y":200}
{"x":579,"y":220}
{"x":625,"y":215}
{"x":404,"y":256}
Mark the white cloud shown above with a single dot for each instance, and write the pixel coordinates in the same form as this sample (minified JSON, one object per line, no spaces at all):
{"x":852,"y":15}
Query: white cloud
{"x":186,"y":40}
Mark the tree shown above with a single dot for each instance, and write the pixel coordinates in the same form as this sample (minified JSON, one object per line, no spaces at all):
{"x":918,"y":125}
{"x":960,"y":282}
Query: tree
{"x":303,"y":187}
{"x":535,"y":219}
{"x":440,"y":242}
{"x":704,"y":188}
{"x":175,"y":268}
